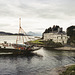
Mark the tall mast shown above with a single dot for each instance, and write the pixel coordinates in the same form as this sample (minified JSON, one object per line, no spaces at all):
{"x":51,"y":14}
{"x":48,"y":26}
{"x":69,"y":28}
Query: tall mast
{"x":21,"y":31}
{"x":19,"y":22}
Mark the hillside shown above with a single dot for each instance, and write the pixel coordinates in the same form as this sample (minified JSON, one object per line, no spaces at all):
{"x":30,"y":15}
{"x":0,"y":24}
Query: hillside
{"x":29,"y":33}
{"x":7,"y":33}
{"x":34,"y":33}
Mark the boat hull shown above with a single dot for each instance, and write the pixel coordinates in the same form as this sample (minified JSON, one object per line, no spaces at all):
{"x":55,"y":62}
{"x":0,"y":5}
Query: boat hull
{"x":13,"y":50}
{"x":17,"y":50}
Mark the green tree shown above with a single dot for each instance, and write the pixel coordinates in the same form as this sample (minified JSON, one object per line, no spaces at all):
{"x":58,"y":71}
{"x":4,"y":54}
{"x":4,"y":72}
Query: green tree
{"x":71,"y":33}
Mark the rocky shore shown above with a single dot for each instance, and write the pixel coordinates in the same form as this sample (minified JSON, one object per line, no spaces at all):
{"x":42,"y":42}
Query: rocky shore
{"x":60,"y":70}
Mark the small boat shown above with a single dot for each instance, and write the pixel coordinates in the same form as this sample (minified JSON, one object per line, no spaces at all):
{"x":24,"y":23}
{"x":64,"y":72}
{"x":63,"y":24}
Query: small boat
{"x":8,"y":47}
{"x":17,"y":48}
{"x":25,"y":47}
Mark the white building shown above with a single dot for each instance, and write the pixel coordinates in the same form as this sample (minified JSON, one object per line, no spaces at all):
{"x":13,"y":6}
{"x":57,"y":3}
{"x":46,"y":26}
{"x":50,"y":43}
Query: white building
{"x":56,"y":37}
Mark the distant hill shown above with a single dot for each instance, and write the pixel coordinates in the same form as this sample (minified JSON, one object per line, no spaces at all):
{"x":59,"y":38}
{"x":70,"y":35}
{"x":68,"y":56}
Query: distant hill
{"x":29,"y":33}
{"x":7,"y":33}
{"x":34,"y":33}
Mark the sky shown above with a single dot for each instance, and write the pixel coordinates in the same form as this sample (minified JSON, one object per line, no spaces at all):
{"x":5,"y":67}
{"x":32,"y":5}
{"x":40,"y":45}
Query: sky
{"x":36,"y":15}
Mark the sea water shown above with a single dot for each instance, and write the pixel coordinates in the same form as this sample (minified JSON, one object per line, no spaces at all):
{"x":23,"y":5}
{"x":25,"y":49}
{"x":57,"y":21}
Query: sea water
{"x":39,"y":62}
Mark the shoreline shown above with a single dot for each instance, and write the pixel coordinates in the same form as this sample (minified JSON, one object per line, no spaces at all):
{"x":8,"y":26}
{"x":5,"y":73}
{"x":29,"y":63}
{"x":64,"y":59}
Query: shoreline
{"x":60,"y":70}
{"x":66,"y":48}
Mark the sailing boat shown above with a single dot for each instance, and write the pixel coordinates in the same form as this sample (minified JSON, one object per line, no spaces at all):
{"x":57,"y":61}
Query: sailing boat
{"x":24,"y":46}
{"x":17,"y":47}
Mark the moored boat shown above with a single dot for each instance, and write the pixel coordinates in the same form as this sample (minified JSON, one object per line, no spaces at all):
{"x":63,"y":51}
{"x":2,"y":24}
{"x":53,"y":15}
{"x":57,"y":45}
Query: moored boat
{"x":17,"y":47}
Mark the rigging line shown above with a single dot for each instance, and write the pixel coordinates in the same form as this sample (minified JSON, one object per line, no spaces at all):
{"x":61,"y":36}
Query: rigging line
{"x":26,"y":34}
{"x":17,"y":36}
{"x":23,"y":39}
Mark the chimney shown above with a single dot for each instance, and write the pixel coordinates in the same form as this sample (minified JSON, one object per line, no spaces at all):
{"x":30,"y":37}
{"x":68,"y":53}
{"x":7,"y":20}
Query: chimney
{"x":60,"y":30}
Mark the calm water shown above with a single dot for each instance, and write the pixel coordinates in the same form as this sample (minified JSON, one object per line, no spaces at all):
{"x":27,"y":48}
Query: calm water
{"x":37,"y":63}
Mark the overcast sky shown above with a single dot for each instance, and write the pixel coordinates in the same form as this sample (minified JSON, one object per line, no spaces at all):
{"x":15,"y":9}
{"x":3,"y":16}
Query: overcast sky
{"x":36,"y":15}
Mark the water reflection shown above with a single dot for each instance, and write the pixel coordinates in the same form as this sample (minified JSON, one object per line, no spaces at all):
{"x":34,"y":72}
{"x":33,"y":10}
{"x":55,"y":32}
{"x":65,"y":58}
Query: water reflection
{"x":28,"y":56}
{"x":37,"y":63}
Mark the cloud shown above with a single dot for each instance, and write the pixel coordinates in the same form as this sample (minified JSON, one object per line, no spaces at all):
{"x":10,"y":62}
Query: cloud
{"x":36,"y":14}
{"x":40,"y":28}
{"x":3,"y":25}
{"x":59,"y":9}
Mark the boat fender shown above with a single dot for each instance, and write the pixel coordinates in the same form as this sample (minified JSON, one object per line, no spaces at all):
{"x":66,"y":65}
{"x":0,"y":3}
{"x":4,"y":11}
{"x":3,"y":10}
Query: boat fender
{"x":19,"y":48}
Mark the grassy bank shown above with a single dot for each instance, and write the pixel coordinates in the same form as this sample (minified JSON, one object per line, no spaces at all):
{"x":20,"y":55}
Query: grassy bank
{"x":37,"y":42}
{"x":46,"y":44}
{"x":69,"y":71}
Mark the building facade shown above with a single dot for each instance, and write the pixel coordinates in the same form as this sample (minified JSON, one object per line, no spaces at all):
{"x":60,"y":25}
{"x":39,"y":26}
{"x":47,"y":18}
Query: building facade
{"x":62,"y":38}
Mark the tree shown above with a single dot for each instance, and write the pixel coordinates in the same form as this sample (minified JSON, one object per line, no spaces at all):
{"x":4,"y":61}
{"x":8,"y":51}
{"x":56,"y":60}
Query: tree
{"x":71,"y":33}
{"x":54,"y":28}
